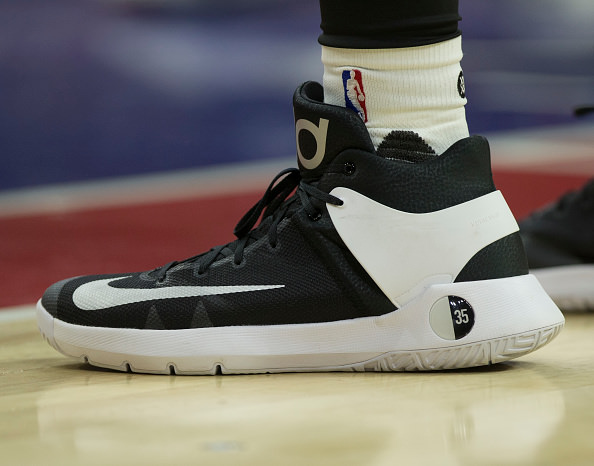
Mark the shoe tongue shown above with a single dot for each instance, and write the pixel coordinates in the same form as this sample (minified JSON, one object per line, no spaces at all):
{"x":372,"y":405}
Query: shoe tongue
{"x":323,"y":131}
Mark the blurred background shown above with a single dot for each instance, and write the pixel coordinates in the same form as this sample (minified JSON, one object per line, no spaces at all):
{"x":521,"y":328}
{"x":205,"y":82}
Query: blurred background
{"x":140,"y":98}
{"x":101,"y":88}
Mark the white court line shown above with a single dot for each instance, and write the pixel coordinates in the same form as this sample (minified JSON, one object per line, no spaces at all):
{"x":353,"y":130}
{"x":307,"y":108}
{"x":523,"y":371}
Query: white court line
{"x":562,"y":146}
{"x":519,"y":150}
{"x":17,"y":313}
{"x":142,"y":189}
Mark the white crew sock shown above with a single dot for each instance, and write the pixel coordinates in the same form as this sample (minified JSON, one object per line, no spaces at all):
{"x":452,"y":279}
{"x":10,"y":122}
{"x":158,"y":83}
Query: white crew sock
{"x":418,"y":89}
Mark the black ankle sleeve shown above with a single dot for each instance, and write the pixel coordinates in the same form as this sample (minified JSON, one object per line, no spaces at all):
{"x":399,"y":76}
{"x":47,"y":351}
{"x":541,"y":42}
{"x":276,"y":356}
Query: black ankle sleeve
{"x":361,"y":24}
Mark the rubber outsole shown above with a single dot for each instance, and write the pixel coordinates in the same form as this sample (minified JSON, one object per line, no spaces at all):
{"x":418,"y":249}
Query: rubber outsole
{"x":514,"y":317}
{"x":570,"y":286}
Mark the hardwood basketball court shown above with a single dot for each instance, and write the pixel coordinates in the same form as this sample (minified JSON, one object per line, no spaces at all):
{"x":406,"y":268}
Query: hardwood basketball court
{"x":536,"y":410}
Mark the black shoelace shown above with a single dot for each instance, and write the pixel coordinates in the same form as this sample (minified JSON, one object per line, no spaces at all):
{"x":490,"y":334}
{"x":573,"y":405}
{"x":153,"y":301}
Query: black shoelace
{"x":275,"y":205}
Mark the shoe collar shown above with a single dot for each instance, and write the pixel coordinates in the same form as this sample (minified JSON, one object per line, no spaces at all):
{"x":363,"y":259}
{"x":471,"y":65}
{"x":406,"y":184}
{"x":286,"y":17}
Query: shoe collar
{"x":323,"y":131}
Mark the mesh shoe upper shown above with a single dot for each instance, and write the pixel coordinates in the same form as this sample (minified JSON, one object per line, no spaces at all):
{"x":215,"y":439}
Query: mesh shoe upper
{"x":293,"y":267}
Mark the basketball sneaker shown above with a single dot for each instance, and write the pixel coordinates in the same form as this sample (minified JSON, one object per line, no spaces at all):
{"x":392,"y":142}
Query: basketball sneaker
{"x":560,"y":248}
{"x":363,"y":260}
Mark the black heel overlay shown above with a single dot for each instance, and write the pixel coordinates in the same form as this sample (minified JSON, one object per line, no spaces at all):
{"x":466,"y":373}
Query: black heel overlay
{"x":503,"y":258}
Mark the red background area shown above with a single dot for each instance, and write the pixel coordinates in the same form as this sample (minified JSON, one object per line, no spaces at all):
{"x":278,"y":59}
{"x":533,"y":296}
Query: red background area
{"x":37,"y":250}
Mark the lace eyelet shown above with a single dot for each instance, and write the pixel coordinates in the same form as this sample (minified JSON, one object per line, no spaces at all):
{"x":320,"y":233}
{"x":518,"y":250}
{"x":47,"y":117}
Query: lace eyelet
{"x":239,"y":264}
{"x":349,"y":168}
{"x":316,"y":217}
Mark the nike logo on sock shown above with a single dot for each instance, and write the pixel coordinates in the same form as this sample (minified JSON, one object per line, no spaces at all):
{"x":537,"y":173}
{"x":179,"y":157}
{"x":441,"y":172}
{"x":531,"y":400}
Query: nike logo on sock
{"x":99,"y":294}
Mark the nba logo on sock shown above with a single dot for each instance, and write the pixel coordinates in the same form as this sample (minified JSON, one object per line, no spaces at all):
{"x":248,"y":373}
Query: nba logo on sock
{"x":354,"y":95}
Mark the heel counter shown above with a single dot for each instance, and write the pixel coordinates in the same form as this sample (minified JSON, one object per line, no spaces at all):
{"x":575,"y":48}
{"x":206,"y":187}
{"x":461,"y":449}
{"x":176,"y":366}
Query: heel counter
{"x":503,"y":258}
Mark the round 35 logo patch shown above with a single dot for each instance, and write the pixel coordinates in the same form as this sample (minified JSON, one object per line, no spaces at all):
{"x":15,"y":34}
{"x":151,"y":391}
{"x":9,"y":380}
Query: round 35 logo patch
{"x":451,"y":317}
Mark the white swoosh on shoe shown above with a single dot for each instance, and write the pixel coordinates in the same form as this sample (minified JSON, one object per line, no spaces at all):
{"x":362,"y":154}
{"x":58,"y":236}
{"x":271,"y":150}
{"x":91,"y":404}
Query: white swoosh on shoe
{"x":98,"y":294}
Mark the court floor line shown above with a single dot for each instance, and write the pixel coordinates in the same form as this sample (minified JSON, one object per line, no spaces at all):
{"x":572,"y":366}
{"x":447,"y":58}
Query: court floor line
{"x":16,"y":314}
{"x":142,"y":189}
{"x":563,"y":149}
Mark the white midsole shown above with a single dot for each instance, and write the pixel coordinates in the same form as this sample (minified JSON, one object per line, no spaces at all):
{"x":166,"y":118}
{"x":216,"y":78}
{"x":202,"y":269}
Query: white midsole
{"x":568,"y":280}
{"x":502,"y":307}
{"x":570,"y":286}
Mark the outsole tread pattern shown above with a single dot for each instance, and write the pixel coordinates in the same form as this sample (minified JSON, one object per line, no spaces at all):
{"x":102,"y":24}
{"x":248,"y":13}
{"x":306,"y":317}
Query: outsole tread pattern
{"x":460,"y":357}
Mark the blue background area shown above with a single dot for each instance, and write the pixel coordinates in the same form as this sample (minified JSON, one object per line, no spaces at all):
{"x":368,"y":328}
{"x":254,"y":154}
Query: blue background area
{"x":95,"y":89}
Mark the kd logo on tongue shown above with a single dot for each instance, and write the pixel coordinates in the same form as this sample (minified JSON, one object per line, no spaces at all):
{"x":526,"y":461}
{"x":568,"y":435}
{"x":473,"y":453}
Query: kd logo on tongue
{"x":319,"y":133}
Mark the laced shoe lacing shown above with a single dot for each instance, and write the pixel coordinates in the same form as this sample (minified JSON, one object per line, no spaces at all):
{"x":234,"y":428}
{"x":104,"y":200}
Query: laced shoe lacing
{"x":276,"y":204}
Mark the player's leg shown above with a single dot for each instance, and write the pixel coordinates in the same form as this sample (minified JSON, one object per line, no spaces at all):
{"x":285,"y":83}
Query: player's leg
{"x":405,"y":57}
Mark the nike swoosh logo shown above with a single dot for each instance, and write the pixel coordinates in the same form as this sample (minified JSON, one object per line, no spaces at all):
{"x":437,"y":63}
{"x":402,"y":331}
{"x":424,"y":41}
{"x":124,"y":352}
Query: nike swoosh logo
{"x":99,"y":294}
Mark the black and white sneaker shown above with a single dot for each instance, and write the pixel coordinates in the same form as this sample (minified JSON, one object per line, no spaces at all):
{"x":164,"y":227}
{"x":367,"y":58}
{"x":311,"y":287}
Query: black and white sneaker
{"x":360,"y":262}
{"x":559,"y":242}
